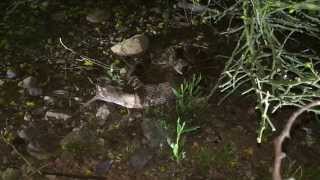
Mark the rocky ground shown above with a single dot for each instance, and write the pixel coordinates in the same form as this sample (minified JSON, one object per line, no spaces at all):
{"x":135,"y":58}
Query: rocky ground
{"x":86,"y":93}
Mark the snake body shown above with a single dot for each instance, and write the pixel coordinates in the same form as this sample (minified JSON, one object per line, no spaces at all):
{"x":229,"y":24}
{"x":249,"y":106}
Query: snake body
{"x":152,"y":95}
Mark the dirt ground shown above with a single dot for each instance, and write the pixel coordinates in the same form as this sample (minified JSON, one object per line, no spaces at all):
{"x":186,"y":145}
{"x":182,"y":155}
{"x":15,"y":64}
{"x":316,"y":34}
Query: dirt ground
{"x":223,"y":147}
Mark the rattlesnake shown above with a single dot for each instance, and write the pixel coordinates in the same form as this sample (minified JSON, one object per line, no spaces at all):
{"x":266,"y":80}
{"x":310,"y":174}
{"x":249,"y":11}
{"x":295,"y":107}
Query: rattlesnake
{"x":148,"y":95}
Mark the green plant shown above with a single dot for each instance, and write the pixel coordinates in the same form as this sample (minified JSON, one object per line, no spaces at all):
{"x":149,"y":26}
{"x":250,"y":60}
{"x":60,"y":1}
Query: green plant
{"x":176,"y":147}
{"x":113,"y":72}
{"x":263,"y":60}
{"x":186,"y":94}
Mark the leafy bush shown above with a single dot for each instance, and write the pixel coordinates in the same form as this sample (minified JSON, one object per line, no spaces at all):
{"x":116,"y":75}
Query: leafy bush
{"x":277,"y":74}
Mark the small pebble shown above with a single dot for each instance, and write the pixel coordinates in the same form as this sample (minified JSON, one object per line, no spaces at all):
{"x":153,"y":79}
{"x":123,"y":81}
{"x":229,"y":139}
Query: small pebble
{"x":11,"y":74}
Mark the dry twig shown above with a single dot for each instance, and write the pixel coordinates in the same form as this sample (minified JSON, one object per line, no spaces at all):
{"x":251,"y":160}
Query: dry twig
{"x":279,"y":154}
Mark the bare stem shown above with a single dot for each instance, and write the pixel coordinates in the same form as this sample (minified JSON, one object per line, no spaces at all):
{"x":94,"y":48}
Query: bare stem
{"x":34,"y":170}
{"x":285,"y":133}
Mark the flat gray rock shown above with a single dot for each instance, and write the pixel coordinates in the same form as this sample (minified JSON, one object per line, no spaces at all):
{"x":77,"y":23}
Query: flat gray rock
{"x":137,"y":44}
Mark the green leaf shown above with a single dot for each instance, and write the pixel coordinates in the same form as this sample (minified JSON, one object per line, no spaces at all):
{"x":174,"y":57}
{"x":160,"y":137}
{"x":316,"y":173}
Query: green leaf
{"x":87,"y":62}
{"x":176,"y":93}
{"x":190,"y":129}
{"x":30,"y":104}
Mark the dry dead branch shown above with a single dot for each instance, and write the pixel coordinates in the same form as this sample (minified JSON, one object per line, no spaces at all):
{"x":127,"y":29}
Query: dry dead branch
{"x":279,"y":154}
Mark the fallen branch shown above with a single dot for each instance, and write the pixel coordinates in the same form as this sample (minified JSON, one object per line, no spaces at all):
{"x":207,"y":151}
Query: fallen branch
{"x":279,"y":154}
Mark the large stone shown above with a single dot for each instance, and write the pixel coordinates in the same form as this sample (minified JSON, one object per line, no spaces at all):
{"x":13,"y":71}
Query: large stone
{"x":135,"y":45}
